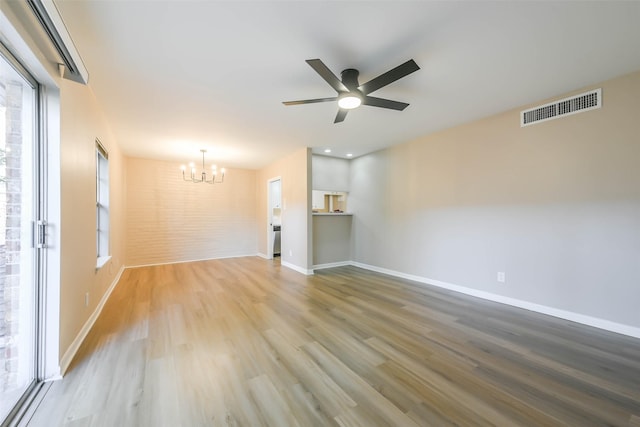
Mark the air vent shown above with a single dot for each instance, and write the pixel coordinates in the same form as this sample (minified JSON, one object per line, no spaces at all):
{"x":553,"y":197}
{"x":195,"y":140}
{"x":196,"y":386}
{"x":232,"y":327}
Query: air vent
{"x":575,"y":104}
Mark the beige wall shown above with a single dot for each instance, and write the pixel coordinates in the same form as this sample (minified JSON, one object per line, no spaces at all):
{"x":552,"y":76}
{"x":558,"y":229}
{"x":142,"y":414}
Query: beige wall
{"x":170,"y":220}
{"x":556,"y":206}
{"x":295,"y":173}
{"x":73,"y":122}
{"x":81,"y":123}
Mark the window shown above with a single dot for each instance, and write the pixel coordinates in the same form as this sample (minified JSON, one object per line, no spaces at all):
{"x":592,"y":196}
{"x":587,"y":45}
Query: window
{"x":20,"y":220}
{"x":102,"y":204}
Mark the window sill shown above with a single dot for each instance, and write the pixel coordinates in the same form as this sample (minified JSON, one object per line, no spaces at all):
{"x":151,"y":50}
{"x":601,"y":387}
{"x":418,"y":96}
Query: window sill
{"x":102,"y":261}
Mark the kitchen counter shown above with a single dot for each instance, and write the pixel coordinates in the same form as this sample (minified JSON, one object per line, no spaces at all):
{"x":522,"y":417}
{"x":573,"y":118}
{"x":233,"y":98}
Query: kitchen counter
{"x":332,"y":213}
{"x":331,"y":238}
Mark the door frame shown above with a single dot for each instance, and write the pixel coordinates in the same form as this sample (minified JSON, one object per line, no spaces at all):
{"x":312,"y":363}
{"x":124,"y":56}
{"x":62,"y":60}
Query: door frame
{"x":270,"y":235}
{"x":37,"y":224}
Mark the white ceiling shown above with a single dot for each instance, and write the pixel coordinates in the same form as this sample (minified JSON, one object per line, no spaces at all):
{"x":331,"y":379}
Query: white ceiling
{"x":177,"y":76}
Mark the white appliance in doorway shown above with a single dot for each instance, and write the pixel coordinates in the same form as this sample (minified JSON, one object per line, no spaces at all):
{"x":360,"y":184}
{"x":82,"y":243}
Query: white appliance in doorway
{"x":274,"y":217}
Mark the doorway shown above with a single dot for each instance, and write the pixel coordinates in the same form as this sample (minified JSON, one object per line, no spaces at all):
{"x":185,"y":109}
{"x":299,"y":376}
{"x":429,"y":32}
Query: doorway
{"x":274,"y":217}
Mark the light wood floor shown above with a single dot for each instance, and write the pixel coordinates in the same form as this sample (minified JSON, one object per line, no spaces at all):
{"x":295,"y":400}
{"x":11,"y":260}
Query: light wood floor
{"x":245,"y":342}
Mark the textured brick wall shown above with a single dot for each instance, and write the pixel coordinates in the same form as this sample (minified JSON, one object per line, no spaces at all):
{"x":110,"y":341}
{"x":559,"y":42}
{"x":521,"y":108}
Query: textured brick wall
{"x":169,"y":220}
{"x":10,"y":209}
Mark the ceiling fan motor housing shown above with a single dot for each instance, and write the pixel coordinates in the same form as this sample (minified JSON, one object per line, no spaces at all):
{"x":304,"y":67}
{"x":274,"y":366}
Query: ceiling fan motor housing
{"x":350,"y":78}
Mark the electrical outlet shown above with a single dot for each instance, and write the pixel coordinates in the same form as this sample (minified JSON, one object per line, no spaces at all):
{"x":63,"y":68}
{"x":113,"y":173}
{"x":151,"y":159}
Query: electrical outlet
{"x":86,"y":299}
{"x":290,"y":252}
{"x":501,"y":277}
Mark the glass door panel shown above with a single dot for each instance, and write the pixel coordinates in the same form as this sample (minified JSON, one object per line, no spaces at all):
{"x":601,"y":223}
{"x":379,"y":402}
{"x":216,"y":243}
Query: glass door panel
{"x":17,"y":254}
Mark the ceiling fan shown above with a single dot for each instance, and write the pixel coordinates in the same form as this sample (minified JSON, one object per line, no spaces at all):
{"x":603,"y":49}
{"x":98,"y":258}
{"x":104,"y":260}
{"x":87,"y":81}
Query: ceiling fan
{"x":352,"y":94}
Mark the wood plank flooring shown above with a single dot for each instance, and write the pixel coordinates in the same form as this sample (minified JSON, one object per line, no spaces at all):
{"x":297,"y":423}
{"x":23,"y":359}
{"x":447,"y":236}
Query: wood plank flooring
{"x":244,"y":342}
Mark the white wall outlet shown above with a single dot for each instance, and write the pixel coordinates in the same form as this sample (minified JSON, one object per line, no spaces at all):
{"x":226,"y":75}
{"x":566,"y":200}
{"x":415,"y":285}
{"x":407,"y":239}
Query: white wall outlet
{"x":86,"y":299}
{"x":290,"y":252}
{"x":501,"y":277}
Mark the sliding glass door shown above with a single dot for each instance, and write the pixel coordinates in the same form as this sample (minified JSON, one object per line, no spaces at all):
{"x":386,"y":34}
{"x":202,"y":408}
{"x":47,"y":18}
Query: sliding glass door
{"x":19,"y":258}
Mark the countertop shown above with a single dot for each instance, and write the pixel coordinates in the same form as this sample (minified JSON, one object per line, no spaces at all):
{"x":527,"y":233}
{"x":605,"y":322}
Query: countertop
{"x":332,"y":213}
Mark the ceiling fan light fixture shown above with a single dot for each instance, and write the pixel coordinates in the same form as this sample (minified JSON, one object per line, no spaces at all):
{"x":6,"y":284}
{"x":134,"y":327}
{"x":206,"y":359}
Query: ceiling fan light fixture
{"x":352,"y":94}
{"x":349,"y":101}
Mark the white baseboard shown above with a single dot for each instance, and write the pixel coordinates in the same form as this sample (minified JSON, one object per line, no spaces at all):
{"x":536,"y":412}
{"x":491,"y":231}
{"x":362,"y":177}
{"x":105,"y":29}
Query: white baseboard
{"x":296,"y":268}
{"x":332,"y":265}
{"x":261,"y":255}
{"x":562,"y":314}
{"x":189,"y":260}
{"x":56,"y":376}
{"x":75,"y":345}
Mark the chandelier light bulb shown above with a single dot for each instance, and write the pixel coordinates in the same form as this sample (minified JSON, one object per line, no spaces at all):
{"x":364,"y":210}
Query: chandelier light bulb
{"x":202,"y":176}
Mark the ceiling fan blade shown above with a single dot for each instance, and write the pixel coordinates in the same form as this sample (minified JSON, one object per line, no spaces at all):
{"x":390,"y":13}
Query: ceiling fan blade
{"x":310,"y":101}
{"x":342,"y":113}
{"x":384,"y":103}
{"x":389,"y":77}
{"x":327,"y":75}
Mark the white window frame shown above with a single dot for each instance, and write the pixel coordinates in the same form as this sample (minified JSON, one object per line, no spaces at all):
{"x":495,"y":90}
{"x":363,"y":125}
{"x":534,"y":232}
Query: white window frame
{"x":102,"y":205}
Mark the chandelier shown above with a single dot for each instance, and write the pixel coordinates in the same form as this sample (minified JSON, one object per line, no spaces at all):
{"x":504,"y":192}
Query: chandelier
{"x":202,"y":177}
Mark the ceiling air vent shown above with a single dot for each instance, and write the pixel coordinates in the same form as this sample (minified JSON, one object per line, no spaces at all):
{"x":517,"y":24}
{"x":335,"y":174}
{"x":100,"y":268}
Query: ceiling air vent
{"x":575,"y":104}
